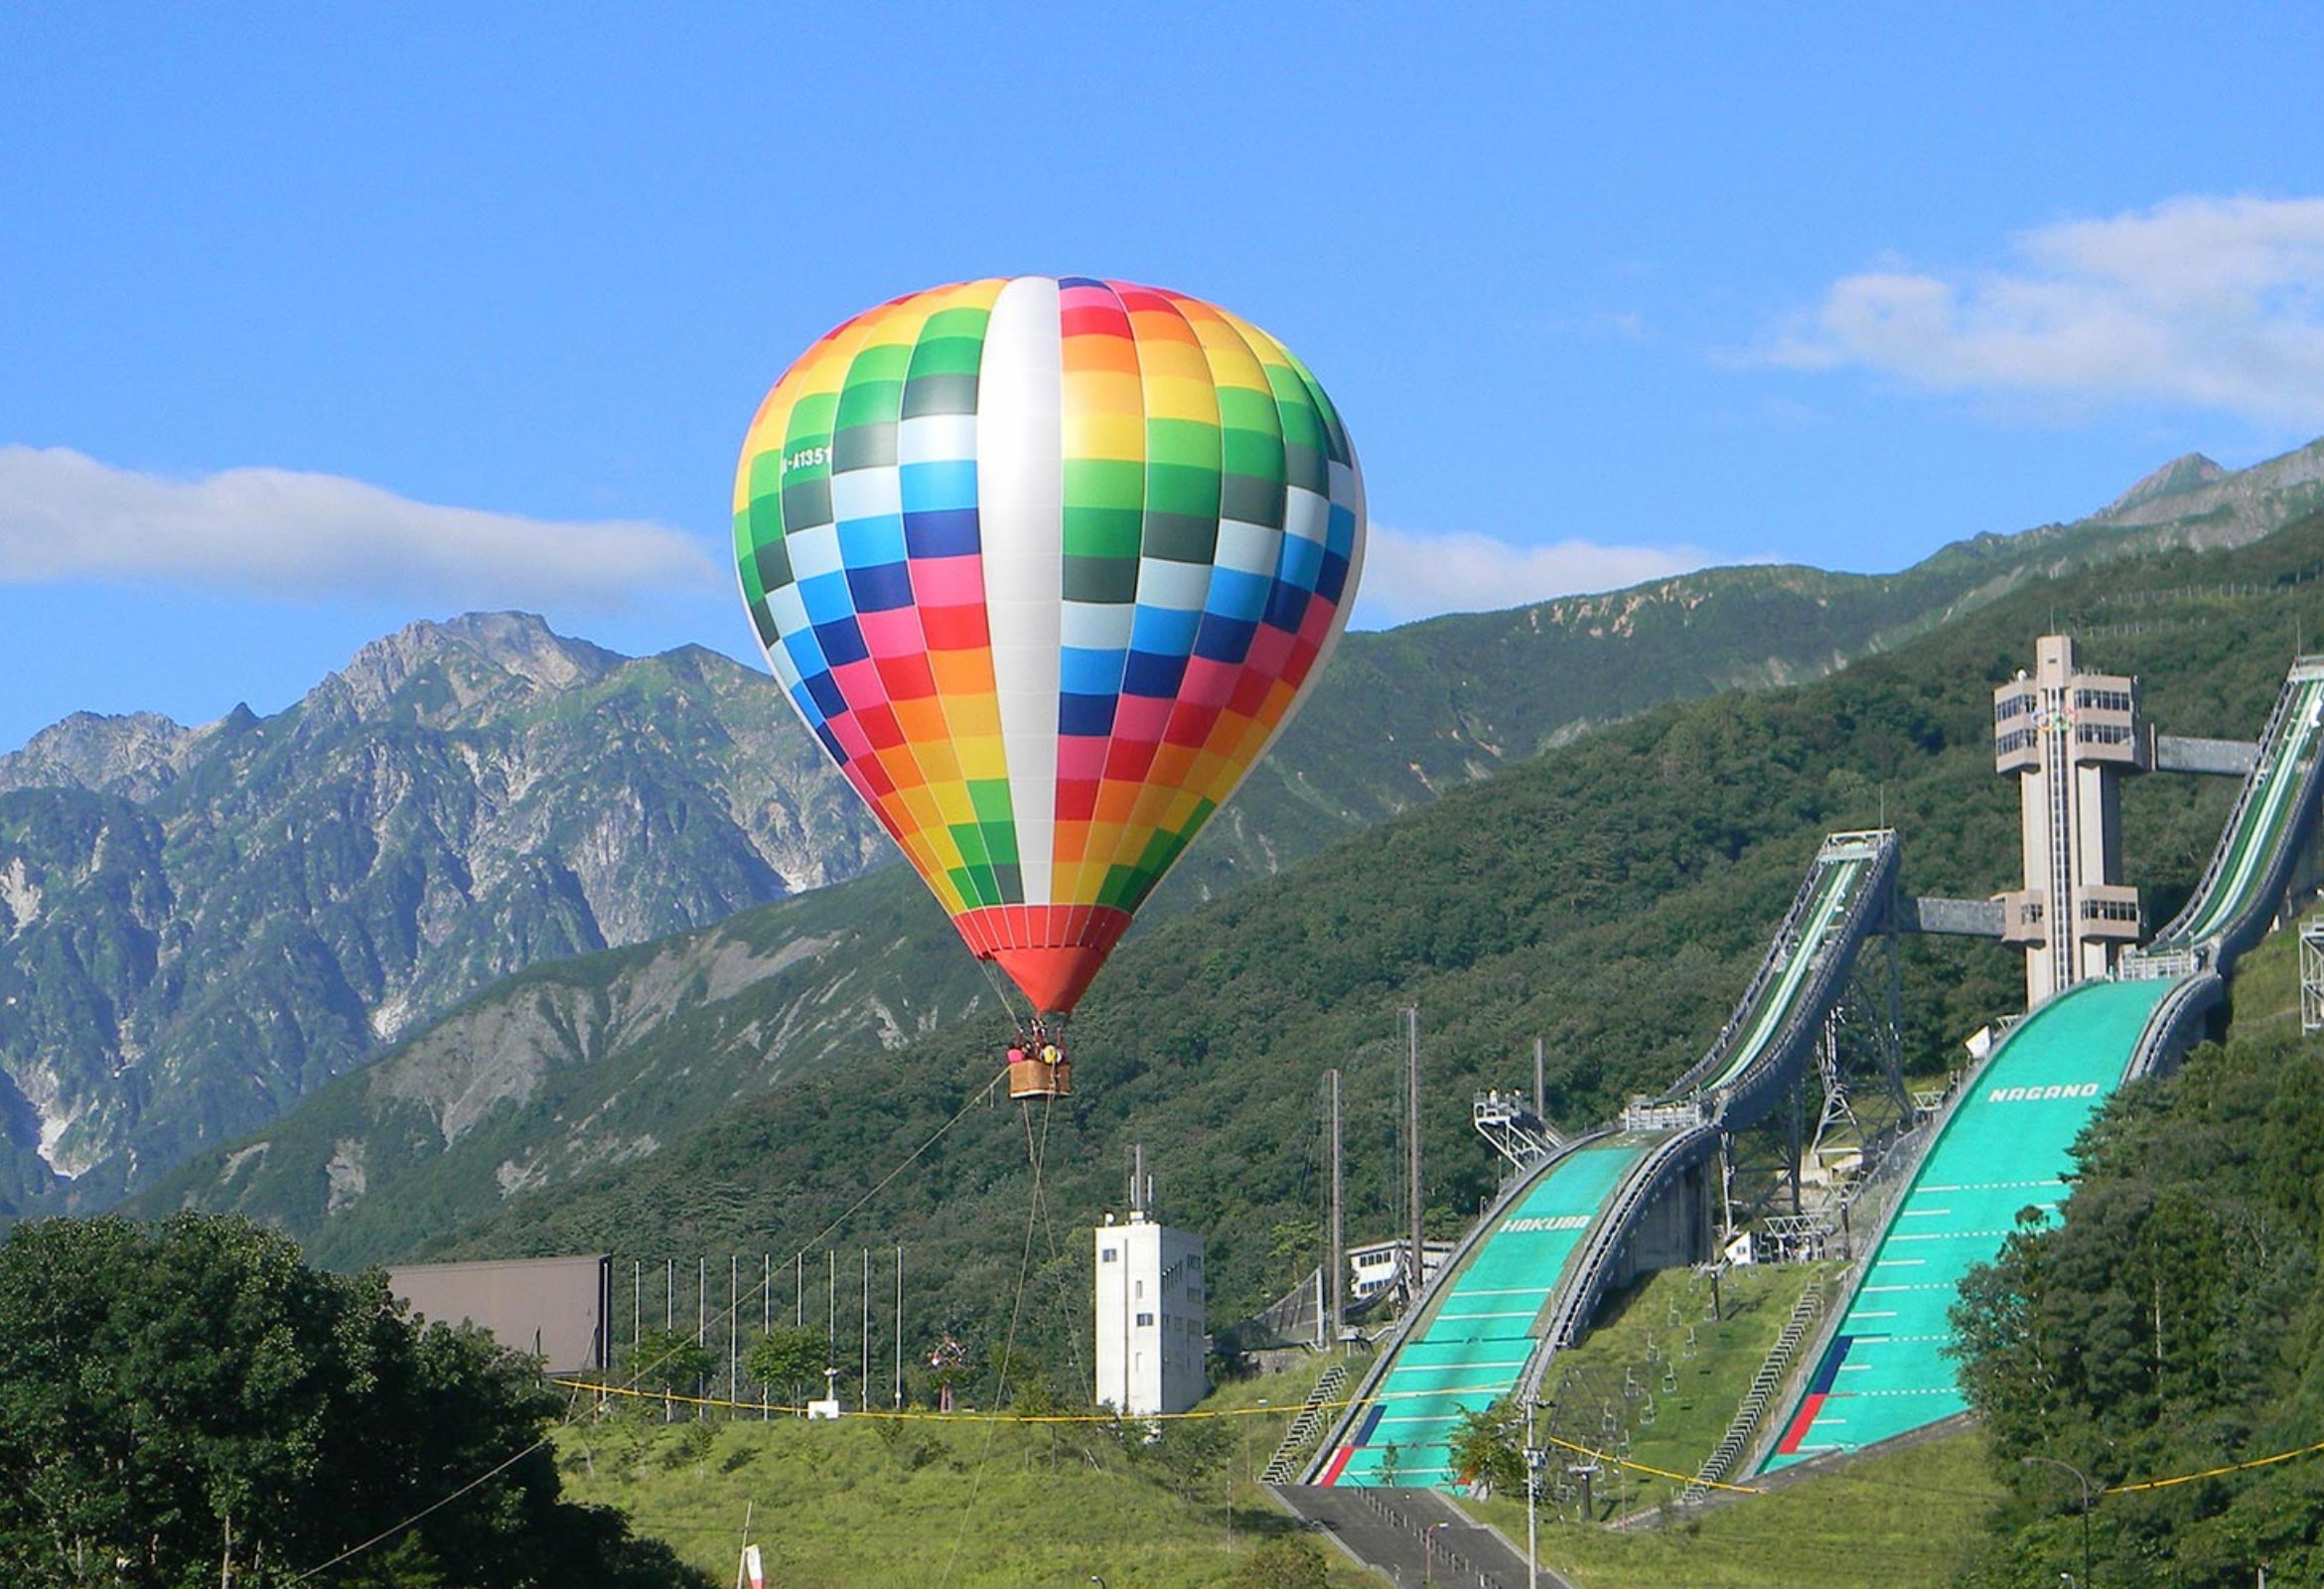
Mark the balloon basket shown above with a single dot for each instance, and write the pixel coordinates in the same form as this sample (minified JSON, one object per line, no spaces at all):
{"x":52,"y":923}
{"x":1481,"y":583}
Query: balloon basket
{"x":1038,"y":1079}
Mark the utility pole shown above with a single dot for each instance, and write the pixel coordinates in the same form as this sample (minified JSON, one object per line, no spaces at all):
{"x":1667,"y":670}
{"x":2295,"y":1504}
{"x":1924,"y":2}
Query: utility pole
{"x":1336,"y":1235}
{"x":899,"y":1327}
{"x":1413,"y":1145}
{"x":1535,"y":1456}
{"x":1541,"y":1092}
{"x":863,"y":1384}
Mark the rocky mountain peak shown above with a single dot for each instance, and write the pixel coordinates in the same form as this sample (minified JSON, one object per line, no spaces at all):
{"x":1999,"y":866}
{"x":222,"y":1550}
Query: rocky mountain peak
{"x":477,"y":654}
{"x":134,"y":756}
{"x":2188,"y":471}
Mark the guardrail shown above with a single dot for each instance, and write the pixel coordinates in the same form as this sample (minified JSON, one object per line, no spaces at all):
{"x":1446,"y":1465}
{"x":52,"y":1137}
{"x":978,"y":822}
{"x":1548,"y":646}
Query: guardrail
{"x":2196,"y":901}
{"x":1589,"y":1271}
{"x":2271,"y":737}
{"x":1784,"y":945}
{"x":2170,"y":1028}
{"x":1780,"y":949}
{"x":1417,"y":1316}
{"x":1739,"y":1103}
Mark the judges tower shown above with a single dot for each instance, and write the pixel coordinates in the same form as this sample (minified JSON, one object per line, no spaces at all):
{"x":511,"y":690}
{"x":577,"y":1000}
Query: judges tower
{"x":2068,"y":736}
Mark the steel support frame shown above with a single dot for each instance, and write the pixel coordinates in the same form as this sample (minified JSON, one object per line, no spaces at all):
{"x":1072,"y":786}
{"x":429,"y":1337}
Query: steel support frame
{"x":2312,"y":974}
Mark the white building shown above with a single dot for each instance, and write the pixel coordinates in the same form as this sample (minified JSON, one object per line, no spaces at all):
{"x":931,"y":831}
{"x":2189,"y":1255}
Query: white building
{"x":1374,"y":1266}
{"x":1149,"y":1296}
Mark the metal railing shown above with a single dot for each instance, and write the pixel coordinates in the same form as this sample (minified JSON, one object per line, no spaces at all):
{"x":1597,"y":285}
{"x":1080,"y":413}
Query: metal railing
{"x":1586,"y":1277}
{"x":1306,"y":1428}
{"x":2272,"y":738}
{"x":1765,"y":1385}
{"x":1836,"y":958}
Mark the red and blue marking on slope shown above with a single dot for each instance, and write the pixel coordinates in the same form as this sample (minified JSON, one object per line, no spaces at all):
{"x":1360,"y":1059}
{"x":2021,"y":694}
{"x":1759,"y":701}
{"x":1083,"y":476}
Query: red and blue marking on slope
{"x":1362,"y":1436}
{"x":1819,"y":1386}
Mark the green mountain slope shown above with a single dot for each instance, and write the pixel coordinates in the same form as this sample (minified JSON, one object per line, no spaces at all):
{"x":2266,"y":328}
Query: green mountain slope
{"x":1613,"y":896}
{"x":200,"y":927}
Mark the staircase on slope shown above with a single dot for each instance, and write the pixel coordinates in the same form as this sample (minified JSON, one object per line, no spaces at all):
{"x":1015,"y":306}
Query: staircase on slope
{"x":1764,"y":1386}
{"x":1283,"y":1467}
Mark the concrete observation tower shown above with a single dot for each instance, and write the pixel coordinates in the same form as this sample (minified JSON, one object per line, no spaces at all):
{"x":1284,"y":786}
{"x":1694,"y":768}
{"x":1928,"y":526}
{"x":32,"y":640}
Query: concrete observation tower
{"x":2068,"y":736}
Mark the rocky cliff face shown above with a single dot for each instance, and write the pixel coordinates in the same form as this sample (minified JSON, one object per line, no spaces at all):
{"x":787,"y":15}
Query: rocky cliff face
{"x":137,"y":756}
{"x":199,"y":926}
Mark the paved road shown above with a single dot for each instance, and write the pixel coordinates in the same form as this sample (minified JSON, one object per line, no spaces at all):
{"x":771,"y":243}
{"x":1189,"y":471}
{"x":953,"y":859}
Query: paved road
{"x":1412,"y":1537}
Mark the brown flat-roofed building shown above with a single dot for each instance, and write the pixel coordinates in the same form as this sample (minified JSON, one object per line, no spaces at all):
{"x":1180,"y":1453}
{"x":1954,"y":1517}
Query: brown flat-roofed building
{"x":555,"y":1308}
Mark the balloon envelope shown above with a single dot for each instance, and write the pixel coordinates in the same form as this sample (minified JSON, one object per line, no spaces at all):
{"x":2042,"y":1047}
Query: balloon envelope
{"x":1045,"y":563}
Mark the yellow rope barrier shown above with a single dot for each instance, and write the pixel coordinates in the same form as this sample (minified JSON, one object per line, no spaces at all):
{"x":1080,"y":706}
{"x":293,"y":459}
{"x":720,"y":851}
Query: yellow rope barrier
{"x":1659,"y":1472}
{"x":593,"y":1388}
{"x":2210,"y":1473}
{"x":1288,"y":1410}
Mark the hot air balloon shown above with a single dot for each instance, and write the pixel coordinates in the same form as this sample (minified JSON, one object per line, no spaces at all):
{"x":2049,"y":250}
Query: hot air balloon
{"x":1046,"y":564}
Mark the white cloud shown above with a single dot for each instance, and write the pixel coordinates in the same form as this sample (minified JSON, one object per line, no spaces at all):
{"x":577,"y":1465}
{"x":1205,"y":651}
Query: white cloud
{"x":1407,"y":576}
{"x":280,"y":533}
{"x":2213,"y":302}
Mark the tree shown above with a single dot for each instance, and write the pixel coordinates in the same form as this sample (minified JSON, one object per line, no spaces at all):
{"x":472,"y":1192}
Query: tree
{"x":1286,"y":1562}
{"x":191,"y":1403}
{"x":1489,"y":1447}
{"x":787,"y":1357}
{"x":670,"y":1361}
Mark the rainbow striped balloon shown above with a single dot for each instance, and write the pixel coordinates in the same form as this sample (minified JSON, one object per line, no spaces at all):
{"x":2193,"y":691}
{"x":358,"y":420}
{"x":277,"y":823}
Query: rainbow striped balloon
{"x":1045,"y":563}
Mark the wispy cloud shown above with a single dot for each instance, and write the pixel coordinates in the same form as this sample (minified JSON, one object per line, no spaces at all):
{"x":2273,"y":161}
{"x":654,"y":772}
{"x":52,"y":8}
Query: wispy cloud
{"x":2214,"y":302}
{"x":282,"y":532}
{"x":1407,"y":576}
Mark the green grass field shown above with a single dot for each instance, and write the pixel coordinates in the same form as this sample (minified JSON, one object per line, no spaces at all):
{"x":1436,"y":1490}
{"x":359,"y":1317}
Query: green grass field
{"x":929,"y":1505}
{"x":1906,"y":1521}
{"x":1692,"y":1391}
{"x":919,"y":1504}
{"x":2267,"y":997}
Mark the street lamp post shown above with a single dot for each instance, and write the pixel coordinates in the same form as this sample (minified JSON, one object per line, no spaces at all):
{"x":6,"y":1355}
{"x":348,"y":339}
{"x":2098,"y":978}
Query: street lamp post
{"x":1428,"y":1551}
{"x":2084,"y":1479}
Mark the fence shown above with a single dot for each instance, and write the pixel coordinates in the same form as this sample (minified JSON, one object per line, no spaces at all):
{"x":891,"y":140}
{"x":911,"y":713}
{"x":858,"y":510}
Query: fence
{"x":724,"y":1305}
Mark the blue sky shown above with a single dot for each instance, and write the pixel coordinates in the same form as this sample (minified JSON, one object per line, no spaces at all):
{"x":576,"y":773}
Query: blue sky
{"x":318,"y":320}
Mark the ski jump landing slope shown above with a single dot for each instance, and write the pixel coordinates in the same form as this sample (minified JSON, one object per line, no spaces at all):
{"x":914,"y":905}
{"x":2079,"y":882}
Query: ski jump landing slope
{"x":1881,"y":1368}
{"x":1525,"y":1282}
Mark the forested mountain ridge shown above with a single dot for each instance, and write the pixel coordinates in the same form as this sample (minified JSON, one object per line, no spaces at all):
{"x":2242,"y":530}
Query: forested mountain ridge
{"x":201,"y":925}
{"x":1612,"y":896}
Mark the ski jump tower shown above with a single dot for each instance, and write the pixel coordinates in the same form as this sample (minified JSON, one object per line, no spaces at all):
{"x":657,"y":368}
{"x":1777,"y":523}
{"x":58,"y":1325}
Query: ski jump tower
{"x":2068,"y":736}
